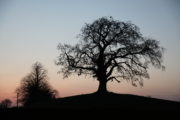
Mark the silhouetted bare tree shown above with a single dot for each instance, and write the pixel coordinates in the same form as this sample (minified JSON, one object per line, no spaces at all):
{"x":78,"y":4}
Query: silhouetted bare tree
{"x":5,"y":104}
{"x":109,"y":50}
{"x":34,"y":87}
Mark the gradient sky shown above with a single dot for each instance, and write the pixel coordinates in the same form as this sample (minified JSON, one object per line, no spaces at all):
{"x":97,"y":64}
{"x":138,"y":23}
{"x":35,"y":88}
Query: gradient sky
{"x":30,"y":31}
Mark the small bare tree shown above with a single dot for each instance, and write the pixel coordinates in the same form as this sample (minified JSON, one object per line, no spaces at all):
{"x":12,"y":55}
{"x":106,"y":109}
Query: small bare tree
{"x":34,"y":87}
{"x":6,"y":103}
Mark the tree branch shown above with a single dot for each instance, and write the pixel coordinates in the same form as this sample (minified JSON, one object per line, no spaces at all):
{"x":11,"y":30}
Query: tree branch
{"x":115,"y":78}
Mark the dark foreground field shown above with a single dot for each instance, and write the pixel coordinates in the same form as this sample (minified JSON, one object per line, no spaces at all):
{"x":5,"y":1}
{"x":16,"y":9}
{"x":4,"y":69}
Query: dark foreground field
{"x":98,"y":105}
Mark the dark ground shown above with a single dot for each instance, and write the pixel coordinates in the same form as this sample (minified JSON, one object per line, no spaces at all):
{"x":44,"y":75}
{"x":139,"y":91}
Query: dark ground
{"x":92,"y":106}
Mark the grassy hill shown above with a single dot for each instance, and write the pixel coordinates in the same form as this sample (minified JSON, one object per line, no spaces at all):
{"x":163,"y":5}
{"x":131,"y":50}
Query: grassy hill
{"x":109,"y":101}
{"x":104,"y":104}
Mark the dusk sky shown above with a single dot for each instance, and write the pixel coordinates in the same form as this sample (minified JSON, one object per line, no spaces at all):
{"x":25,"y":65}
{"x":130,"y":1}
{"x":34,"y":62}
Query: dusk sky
{"x":30,"y":31}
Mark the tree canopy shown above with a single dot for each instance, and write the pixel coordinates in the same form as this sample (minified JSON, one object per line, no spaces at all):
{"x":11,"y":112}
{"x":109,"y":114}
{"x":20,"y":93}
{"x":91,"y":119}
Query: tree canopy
{"x":111,"y":50}
{"x":35,"y":87}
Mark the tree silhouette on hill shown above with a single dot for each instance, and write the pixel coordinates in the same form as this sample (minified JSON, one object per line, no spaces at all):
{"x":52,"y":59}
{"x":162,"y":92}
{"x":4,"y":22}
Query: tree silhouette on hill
{"x":34,"y":87}
{"x":110,"y":50}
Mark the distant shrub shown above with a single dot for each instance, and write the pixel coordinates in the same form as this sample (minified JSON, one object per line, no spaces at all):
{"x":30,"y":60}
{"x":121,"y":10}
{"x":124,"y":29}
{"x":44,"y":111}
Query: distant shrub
{"x":6,"y":103}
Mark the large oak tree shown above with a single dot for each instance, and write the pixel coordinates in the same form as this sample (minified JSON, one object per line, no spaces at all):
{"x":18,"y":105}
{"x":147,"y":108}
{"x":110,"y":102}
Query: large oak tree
{"x":111,"y":50}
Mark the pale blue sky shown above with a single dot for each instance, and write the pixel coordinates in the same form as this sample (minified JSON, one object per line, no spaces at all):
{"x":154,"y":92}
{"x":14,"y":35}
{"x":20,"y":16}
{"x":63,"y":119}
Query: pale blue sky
{"x":30,"y":31}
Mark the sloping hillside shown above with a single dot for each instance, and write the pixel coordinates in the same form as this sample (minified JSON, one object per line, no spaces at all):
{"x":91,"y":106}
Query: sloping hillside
{"x":110,"y":104}
{"x":110,"y":101}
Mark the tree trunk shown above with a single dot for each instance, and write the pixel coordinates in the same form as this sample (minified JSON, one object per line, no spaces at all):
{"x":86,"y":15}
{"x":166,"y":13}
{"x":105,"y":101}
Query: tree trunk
{"x":102,"y":87}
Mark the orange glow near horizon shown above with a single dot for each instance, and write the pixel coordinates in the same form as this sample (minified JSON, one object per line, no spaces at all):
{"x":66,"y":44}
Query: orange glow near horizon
{"x":75,"y":85}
